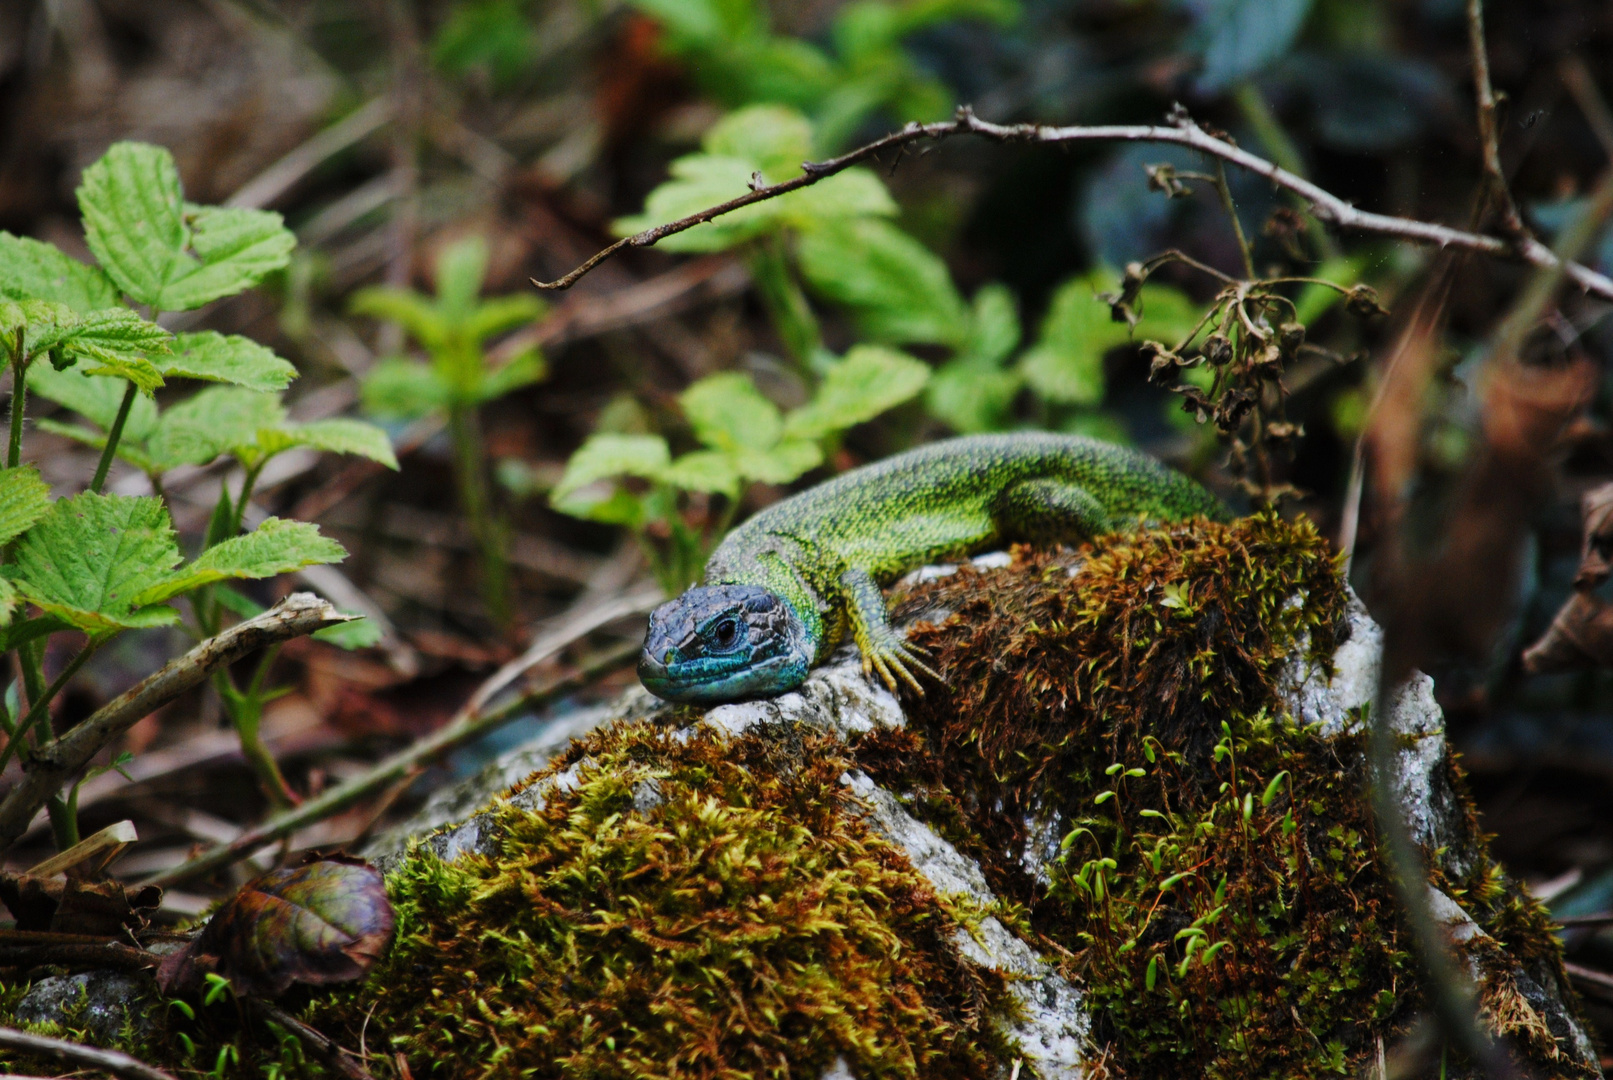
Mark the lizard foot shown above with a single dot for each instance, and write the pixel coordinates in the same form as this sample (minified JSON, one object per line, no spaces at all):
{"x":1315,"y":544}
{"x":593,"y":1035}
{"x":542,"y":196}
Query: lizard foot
{"x":892,"y":658}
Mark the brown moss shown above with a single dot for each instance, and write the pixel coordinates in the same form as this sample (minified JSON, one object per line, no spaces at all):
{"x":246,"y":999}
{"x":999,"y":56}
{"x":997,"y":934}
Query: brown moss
{"x":747,"y":923}
{"x":1220,"y":893}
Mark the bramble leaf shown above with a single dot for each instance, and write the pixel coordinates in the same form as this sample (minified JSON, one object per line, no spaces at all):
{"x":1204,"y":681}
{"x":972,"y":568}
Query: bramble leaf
{"x":91,"y":555}
{"x":704,"y":470}
{"x":167,"y":253}
{"x":729,"y":414}
{"x":33,"y":269}
{"x":526,"y":368}
{"x":337,"y":435}
{"x":858,"y":388}
{"x":606,"y":455}
{"x":275,"y":547}
{"x":360,"y":633}
{"x":128,"y":449}
{"x":899,"y":291}
{"x":233,"y":359}
{"x":417,"y":314}
{"x":217,"y":420}
{"x":24,"y":499}
{"x":780,"y":463}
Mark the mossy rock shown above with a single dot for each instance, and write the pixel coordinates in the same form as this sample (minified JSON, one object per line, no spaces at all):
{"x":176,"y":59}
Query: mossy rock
{"x":1127,"y":838}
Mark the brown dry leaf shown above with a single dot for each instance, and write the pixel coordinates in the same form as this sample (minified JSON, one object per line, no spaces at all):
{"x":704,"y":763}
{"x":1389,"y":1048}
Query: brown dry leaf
{"x":70,"y":905}
{"x":1596,"y":550}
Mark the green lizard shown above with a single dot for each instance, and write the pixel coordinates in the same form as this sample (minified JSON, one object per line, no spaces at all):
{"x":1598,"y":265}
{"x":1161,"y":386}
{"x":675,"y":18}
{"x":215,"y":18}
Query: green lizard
{"x":784,"y":587}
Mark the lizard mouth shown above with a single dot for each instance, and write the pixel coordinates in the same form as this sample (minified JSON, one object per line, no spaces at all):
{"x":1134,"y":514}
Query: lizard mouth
{"x":724,"y":643}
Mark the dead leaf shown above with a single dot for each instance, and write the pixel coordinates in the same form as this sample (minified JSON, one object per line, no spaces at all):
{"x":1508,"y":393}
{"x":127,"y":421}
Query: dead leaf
{"x":324,"y":922}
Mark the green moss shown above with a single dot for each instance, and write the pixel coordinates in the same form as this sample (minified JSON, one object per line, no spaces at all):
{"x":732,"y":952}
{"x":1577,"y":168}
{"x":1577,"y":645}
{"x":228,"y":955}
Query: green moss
{"x":747,"y":924}
{"x":1220,"y":894}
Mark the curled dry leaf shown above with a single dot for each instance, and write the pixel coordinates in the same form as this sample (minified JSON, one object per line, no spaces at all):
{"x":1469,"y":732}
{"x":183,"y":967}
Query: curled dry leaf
{"x":71,"y":905}
{"x":323,"y":922}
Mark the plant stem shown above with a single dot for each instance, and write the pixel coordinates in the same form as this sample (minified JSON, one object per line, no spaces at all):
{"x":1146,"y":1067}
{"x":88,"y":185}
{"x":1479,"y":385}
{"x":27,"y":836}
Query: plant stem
{"x":248,"y":482}
{"x":38,"y":714}
{"x":63,"y":822}
{"x":112,"y":437}
{"x":786,"y":304}
{"x":1225,"y":192}
{"x":475,"y":501}
{"x":246,"y":713}
{"x":19,"y":399}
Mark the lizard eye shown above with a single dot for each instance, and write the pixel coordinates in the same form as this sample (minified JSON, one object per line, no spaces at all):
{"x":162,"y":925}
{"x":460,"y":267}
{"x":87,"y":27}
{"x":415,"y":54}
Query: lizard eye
{"x":726,"y":633}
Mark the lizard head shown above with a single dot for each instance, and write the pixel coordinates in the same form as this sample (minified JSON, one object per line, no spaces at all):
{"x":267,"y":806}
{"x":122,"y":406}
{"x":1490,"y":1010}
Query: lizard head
{"x":718,"y":643}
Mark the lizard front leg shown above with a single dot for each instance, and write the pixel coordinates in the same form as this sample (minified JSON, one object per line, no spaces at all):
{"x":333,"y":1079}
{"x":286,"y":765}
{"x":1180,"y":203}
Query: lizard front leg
{"x":883,"y":649}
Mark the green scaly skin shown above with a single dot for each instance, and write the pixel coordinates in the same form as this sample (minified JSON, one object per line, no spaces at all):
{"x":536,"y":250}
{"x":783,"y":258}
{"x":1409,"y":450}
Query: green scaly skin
{"x":785,"y":587}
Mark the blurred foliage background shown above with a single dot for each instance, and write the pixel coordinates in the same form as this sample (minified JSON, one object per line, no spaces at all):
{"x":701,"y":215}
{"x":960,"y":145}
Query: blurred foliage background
{"x":433,"y":155}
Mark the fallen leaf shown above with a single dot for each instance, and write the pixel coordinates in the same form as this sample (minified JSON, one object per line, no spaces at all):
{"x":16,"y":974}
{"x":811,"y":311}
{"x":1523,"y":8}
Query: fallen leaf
{"x":324,"y":922}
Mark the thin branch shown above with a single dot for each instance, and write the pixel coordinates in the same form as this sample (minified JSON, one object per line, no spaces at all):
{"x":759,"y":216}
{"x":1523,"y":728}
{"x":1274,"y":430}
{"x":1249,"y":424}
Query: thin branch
{"x":51,"y":765}
{"x":102,"y":954}
{"x":78,"y":1055}
{"x":1489,"y":128}
{"x":463,"y":729}
{"x":1182,"y":132}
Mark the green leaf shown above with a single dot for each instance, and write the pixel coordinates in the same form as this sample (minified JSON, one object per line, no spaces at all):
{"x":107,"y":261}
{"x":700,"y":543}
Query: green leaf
{"x":1066,"y":364}
{"x":781,"y":463}
{"x":899,"y":291}
{"x":971,"y":395}
{"x":338,"y":435}
{"x":91,"y":555}
{"x":24,"y":499}
{"x":94,"y":398}
{"x":358,"y":634}
{"x":772,"y":139}
{"x":9,"y":599}
{"x":704,"y":470}
{"x":33,"y":269}
{"x":525,"y":369}
{"x":729,"y":414}
{"x":699,"y":182}
{"x":217,"y":420}
{"x":275,"y":547}
{"x":616,"y":507}
{"x":128,"y":449}
{"x":706,"y":21}
{"x":501,"y":313}
{"x":994,"y":330}
{"x":461,"y":269}
{"x":403,"y":389}
{"x":417,"y":314}
{"x":607,"y":455}
{"x":237,"y":247}
{"x":867,"y":382}
{"x":233,"y":359}
{"x":135,"y":221}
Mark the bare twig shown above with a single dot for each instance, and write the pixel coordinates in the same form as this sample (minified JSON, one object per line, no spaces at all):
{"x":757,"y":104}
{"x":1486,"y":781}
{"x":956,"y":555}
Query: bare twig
{"x":462,"y":730}
{"x":98,"y":954}
{"x":78,"y":1055}
{"x":1181,"y":132}
{"x":1495,"y":178}
{"x":54,"y":763}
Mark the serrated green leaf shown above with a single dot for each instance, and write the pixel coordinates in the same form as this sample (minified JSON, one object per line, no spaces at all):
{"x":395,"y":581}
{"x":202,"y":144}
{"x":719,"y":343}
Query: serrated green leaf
{"x":400,"y":389}
{"x":729,"y":414}
{"x":91,"y":555}
{"x":606,"y":455}
{"x":338,"y":435}
{"x":42,"y":324}
{"x":699,"y":182}
{"x":217,"y":420}
{"x":857,"y":192}
{"x":135,"y":221}
{"x":9,"y":599}
{"x":134,"y":217}
{"x":237,"y":247}
{"x":275,"y":547}
{"x":418,"y":315}
{"x":781,"y":463}
{"x":704,"y":470}
{"x":229,"y":358}
{"x":24,"y":499}
{"x":1066,"y":363}
{"x":33,"y":269}
{"x":95,"y":398}
{"x":897,"y":289}
{"x":117,"y":342}
{"x":870,"y":380}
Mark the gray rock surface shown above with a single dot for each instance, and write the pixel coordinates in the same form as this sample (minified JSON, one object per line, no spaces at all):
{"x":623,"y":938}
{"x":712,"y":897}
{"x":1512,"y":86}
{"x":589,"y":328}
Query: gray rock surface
{"x":98,"y":1003}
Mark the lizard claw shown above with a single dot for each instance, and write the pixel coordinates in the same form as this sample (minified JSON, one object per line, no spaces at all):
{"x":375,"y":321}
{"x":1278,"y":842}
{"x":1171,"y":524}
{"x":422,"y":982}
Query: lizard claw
{"x":892,"y":660}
